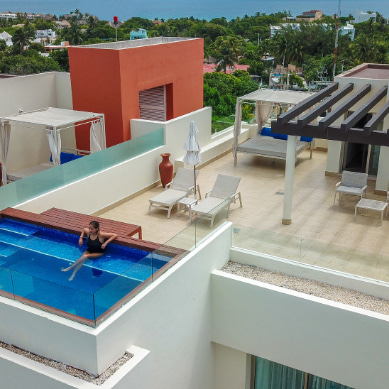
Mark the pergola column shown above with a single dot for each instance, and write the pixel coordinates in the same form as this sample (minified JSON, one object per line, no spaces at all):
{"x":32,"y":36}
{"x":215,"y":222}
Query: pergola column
{"x":289,"y":178}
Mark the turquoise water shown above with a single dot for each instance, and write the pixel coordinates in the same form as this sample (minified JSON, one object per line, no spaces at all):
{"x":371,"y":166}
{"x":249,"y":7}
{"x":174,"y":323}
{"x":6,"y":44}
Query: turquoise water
{"x":200,"y":9}
{"x":31,"y":259}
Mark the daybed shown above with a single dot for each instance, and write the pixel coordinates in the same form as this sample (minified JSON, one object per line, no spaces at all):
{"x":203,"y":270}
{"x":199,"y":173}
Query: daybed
{"x":64,"y":158}
{"x":268,"y":144}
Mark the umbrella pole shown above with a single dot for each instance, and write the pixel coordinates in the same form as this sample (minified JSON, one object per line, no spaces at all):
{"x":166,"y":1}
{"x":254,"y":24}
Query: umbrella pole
{"x":194,"y":175}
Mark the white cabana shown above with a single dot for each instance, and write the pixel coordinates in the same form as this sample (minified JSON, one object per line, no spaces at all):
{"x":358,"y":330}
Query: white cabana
{"x":264,"y":99}
{"x":53,"y":121}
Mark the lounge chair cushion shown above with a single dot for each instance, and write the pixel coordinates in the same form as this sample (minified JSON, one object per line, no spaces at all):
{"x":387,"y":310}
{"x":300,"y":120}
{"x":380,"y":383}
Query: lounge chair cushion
{"x":169,"y":197}
{"x":210,"y":205}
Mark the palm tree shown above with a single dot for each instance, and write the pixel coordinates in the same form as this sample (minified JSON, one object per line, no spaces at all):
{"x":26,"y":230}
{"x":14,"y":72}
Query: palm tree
{"x":227,"y":51}
{"x":22,"y":37}
{"x":74,"y":33}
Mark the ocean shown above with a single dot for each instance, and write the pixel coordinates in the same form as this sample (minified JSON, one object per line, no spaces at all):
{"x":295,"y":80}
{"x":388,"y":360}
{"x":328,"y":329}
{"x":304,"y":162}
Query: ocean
{"x":201,"y":9}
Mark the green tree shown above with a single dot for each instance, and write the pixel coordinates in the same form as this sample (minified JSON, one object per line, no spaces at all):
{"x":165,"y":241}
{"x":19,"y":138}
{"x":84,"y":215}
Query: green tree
{"x":74,"y":33}
{"x":25,"y":64}
{"x":62,"y":58}
{"x":22,"y":38}
{"x":226,"y":51}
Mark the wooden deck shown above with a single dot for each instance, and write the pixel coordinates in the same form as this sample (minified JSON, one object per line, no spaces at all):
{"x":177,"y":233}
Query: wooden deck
{"x":80,"y":221}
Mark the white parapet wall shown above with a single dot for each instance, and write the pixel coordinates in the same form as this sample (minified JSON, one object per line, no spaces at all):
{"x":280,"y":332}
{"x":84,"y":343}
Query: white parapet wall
{"x":318,"y":336}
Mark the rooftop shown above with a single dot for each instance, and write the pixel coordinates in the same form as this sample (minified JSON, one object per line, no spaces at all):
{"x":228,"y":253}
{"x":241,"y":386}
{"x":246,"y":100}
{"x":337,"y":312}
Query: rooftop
{"x":369,"y":71}
{"x":321,"y":234}
{"x":135,"y":43}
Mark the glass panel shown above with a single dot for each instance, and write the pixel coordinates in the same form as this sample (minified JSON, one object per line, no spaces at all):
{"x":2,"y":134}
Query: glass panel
{"x":51,"y":179}
{"x":374,"y":159}
{"x":315,"y":382}
{"x":6,"y":287}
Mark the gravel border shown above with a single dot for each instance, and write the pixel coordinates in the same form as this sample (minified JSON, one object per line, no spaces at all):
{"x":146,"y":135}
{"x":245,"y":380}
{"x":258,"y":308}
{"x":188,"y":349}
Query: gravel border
{"x":316,"y":288}
{"x":81,"y":374}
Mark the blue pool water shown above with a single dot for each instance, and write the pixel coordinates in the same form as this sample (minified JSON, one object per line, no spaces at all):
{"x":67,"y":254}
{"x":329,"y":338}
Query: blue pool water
{"x":31,"y":258}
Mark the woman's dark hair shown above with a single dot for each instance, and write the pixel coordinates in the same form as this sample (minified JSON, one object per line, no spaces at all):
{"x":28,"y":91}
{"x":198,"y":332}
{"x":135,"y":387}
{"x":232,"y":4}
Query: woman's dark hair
{"x":95,"y":224}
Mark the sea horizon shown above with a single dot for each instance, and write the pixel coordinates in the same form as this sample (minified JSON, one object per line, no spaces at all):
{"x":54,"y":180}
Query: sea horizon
{"x":199,"y":9}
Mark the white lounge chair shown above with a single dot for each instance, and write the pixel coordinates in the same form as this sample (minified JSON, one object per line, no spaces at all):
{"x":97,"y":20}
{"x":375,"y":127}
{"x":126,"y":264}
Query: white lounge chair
{"x":352,"y":183}
{"x":219,"y":198}
{"x":182,"y":186}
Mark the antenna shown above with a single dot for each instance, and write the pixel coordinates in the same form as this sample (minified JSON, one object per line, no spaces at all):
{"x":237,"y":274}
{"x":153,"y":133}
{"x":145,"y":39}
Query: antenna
{"x":336,"y":41}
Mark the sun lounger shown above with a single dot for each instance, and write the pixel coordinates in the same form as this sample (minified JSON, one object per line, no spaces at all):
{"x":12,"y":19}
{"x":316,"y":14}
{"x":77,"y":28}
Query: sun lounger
{"x":182,"y":186}
{"x":218,"y":199}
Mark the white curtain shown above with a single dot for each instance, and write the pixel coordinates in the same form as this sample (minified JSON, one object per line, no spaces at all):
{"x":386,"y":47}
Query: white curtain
{"x":237,"y":128}
{"x":54,"y":139}
{"x":5,"y":132}
{"x":97,"y":136}
{"x":262,"y":113}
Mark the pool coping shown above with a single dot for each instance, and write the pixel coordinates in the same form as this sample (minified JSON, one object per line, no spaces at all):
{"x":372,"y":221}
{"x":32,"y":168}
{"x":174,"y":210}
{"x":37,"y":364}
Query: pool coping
{"x":46,"y":219}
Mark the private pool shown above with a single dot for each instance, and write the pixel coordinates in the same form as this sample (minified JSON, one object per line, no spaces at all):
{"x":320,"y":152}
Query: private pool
{"x":31,"y":258}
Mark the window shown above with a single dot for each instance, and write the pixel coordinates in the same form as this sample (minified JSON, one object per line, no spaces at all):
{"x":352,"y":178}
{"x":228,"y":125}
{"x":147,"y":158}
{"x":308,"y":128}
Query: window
{"x":152,"y":104}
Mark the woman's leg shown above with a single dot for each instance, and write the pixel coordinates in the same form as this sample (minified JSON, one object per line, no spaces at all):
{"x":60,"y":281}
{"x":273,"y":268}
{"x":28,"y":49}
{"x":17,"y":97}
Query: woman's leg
{"x":80,"y":262}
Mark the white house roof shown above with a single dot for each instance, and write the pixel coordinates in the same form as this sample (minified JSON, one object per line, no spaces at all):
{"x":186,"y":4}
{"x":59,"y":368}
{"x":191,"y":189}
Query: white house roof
{"x":277,"y":96}
{"x":53,"y":117}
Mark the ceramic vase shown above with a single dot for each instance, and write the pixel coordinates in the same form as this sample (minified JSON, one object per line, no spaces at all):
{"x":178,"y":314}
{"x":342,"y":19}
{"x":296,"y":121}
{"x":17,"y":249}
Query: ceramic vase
{"x":165,"y":169}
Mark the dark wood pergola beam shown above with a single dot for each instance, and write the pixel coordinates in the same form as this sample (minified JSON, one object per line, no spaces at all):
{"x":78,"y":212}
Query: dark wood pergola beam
{"x":322,"y":107}
{"x":355,"y":135}
{"x":341,"y":109}
{"x":308,"y":103}
{"x":372,"y":124}
{"x":363,"y":110}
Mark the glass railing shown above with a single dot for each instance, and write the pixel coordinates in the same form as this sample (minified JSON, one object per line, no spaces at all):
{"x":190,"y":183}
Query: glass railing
{"x":58,"y":176}
{"x":310,"y":252}
{"x":30,"y":271}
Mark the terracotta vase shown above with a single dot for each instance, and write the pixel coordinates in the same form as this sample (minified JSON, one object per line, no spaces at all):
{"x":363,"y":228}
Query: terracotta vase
{"x":165,"y":169}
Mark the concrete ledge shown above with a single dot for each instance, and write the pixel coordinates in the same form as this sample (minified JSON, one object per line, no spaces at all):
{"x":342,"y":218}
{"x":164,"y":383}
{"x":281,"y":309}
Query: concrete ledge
{"x":364,"y":285}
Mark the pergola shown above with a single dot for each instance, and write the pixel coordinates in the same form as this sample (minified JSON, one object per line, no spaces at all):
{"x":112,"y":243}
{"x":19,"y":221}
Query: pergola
{"x":265,"y":100}
{"x":53,"y":121}
{"x":364,"y":91}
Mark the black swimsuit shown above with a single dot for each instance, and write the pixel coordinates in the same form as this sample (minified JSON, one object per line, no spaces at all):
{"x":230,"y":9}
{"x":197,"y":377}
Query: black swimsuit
{"x":94,"y":246}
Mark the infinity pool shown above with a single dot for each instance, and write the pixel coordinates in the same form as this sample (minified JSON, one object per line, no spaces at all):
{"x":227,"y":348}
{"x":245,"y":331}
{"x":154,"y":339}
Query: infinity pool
{"x":31,"y":258}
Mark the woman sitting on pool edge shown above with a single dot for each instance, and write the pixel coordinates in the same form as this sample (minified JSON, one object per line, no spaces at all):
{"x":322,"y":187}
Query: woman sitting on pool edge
{"x":97,"y":242}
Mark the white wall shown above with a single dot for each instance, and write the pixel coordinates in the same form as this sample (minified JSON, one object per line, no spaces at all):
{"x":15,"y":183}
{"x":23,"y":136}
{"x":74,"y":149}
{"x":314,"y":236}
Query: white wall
{"x":232,"y":368}
{"x":173,"y":319}
{"x":331,"y":340}
{"x":29,"y":147}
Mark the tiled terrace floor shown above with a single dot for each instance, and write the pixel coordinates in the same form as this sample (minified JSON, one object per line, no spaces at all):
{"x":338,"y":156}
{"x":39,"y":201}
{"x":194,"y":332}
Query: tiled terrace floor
{"x":320,"y":233}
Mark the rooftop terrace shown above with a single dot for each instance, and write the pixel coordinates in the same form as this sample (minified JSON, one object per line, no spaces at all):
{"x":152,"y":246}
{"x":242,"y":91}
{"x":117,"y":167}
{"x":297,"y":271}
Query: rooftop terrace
{"x":320,"y":234}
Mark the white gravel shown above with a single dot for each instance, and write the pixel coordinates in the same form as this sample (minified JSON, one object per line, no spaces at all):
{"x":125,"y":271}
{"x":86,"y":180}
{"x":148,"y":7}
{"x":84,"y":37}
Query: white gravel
{"x":83,"y":375}
{"x":315,"y":288}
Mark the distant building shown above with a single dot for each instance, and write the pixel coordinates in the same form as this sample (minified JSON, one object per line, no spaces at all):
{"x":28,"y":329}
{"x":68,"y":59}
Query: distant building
{"x":348,"y":29}
{"x":45,"y":35}
{"x":4,"y":15}
{"x":211,"y":68}
{"x":6,"y":37}
{"x":62,"y":24}
{"x":310,"y":16}
{"x":361,"y":16}
{"x":140,"y":33}
{"x":62,"y":46}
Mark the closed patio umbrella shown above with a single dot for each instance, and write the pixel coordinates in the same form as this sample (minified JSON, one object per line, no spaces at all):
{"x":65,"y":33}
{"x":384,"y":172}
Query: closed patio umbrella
{"x":192,"y":148}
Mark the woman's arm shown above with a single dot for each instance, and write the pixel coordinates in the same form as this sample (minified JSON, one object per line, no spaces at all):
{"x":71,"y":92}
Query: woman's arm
{"x":109,"y":236}
{"x":83,"y":232}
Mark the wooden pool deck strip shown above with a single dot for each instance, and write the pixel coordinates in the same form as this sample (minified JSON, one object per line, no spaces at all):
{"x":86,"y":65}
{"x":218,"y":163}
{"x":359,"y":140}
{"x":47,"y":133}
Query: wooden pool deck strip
{"x":73,"y":222}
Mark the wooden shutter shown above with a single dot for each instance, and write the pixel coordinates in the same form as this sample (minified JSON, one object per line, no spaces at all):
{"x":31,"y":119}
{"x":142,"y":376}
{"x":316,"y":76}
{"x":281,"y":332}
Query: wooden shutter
{"x":152,"y":104}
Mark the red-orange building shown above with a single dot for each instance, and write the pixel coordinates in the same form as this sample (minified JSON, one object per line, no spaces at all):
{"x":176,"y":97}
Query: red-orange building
{"x":156,"y":79}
